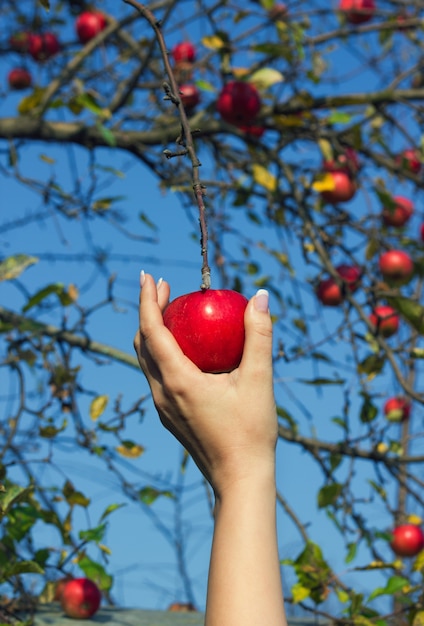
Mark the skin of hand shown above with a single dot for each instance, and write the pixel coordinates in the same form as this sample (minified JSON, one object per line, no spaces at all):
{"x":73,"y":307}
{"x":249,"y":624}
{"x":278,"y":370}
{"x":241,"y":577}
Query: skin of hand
{"x":228,"y":423}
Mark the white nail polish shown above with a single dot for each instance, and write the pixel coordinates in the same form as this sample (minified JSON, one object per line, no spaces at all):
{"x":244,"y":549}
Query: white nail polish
{"x":142,"y":278}
{"x":159,"y":283}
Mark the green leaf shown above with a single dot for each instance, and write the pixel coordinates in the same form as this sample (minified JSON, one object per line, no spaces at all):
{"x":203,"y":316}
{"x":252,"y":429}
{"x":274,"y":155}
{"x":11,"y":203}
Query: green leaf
{"x":148,"y":495}
{"x":351,"y":552}
{"x":93,"y":534}
{"x":110,"y":509}
{"x":322,"y":381}
{"x":371,"y":365}
{"x":12,"y":495}
{"x":55,"y":288}
{"x":368,"y":411}
{"x":146,"y":220}
{"x":339,"y":117}
{"x":107,"y":135}
{"x":329,"y":494}
{"x":412,"y":311}
{"x":285,"y":415}
{"x":394,"y":585}
{"x":13,"y":266}
{"x":96,"y":572}
{"x":23,"y":567}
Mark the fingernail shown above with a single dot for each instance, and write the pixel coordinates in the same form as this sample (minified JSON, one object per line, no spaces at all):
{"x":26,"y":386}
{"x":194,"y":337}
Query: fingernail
{"x":142,"y":278}
{"x":261,"y":301}
{"x":158,"y":284}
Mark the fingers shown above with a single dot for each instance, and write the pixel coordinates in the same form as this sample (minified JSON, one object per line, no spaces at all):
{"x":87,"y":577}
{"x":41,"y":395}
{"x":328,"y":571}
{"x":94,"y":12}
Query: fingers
{"x":156,"y":348}
{"x":257,"y":353}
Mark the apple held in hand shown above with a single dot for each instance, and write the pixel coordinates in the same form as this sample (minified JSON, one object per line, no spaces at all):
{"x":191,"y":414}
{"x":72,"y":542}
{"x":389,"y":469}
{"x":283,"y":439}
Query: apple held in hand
{"x":357,"y":11}
{"x":238,"y":103}
{"x":89,"y":24}
{"x":396,"y":266}
{"x":408,"y":540}
{"x":385,"y":320}
{"x":397,"y":409}
{"x":398,"y":213}
{"x":209,"y":328}
{"x":80,"y":598}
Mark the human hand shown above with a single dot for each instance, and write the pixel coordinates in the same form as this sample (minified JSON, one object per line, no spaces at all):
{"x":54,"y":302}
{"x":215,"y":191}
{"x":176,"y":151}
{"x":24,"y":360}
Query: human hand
{"x":227,"y":422}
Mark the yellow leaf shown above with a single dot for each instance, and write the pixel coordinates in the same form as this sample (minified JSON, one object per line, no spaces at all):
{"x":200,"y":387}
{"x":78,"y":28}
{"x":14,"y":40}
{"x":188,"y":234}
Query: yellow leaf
{"x":288,"y":121}
{"x":104,"y":548}
{"x":47,"y":159}
{"x":418,"y":619}
{"x":240,"y":72}
{"x":130,"y":450}
{"x":381,"y":448}
{"x":342,"y":595}
{"x":419,"y":562}
{"x":326,"y":149}
{"x":31,"y":102}
{"x":263,"y":177}
{"x":323,"y":182}
{"x":414,"y":519}
{"x":214,"y":42}
{"x":266,"y":77}
{"x":98,"y":406}
{"x":300,"y":592}
{"x":73,"y":292}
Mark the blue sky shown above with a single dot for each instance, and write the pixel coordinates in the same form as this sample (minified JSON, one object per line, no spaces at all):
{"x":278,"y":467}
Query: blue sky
{"x":142,"y":560}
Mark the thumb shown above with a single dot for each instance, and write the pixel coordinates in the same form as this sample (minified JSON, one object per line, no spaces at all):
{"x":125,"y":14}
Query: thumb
{"x":257,"y":352}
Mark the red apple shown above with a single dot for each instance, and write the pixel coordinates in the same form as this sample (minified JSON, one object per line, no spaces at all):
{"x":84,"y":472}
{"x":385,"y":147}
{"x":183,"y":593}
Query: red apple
{"x":410,"y":159}
{"x":19,"y":42}
{"x":184,"y":51}
{"x":385,"y":320}
{"x":397,"y":409}
{"x":347,"y":161}
{"x":398,"y":213}
{"x":278,"y":13}
{"x":357,"y":11}
{"x":89,"y":24}
{"x":408,"y":540}
{"x":330,"y":293}
{"x":181,"y":607}
{"x":396,"y":266}
{"x":238,"y":103}
{"x":80,"y":598}
{"x":422,"y":232}
{"x":19,"y":78}
{"x":59,"y":587}
{"x":255,"y":131}
{"x":209,"y":327}
{"x":42,"y":47}
{"x":344,"y":188}
{"x":190,"y":96}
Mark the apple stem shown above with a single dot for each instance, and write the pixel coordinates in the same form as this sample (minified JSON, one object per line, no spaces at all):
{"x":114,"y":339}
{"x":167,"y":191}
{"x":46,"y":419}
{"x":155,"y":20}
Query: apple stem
{"x":185,"y":139}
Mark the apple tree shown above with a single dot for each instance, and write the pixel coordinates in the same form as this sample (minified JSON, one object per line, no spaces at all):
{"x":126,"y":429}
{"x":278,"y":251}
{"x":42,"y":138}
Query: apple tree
{"x":287,"y":140}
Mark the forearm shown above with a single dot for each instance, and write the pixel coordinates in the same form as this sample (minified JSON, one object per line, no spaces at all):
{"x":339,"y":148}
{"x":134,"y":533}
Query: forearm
{"x":244,"y":579}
